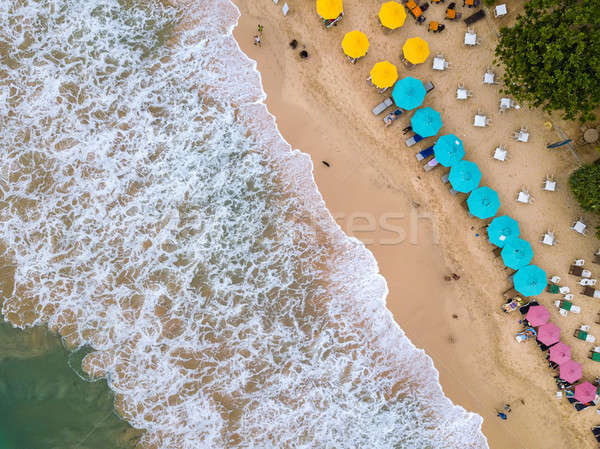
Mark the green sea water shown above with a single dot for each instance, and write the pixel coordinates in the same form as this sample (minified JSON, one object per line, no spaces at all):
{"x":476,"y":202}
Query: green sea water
{"x":46,"y":404}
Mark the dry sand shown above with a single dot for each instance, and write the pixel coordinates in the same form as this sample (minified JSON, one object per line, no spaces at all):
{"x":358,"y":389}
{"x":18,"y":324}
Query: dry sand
{"x":323,"y":107}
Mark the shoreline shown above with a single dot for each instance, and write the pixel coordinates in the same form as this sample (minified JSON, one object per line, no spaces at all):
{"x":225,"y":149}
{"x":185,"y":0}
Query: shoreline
{"x":372,"y":190}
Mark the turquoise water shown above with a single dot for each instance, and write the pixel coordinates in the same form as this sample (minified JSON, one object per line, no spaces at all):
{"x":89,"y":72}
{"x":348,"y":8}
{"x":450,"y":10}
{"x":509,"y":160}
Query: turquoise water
{"x":45,"y":404}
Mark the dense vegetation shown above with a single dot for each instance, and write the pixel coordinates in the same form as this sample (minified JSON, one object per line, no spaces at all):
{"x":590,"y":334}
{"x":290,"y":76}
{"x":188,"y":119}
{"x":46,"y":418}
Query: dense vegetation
{"x":552,"y":56}
{"x":585,"y":185}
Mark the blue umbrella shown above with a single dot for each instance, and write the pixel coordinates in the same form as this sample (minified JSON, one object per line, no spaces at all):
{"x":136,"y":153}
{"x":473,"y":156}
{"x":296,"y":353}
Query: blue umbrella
{"x":464,"y":176}
{"x":449,"y":150}
{"x":501,"y":228}
{"x":409,"y":93}
{"x":426,"y":122}
{"x":483,"y":202}
{"x":517,"y":253}
{"x":530,"y":280}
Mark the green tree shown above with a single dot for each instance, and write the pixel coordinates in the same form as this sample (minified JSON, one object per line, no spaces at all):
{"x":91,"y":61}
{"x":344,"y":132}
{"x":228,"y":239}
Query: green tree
{"x":585,"y":185}
{"x":552,"y":56}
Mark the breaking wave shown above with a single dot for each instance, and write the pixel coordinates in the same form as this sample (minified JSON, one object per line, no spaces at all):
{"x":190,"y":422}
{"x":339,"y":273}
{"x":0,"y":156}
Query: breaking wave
{"x":150,"y":208}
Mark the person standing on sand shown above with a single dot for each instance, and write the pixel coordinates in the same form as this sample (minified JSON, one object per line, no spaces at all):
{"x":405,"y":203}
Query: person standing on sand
{"x":257,"y":40}
{"x":260,"y":29}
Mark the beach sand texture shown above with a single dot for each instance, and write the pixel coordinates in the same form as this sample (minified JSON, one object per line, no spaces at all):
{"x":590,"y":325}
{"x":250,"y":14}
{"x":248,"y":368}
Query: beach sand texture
{"x":323,"y":107}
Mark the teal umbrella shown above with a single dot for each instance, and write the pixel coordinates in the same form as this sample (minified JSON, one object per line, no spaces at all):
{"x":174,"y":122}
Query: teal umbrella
{"x":517,"y":253}
{"x":501,"y":228}
{"x":409,"y":93}
{"x":449,"y":150}
{"x":464,"y":176}
{"x":530,"y":280}
{"x":426,"y":122}
{"x":483,"y":202}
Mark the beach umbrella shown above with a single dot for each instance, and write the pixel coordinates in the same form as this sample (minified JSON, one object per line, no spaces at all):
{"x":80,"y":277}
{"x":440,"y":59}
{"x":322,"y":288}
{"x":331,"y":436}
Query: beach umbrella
{"x":426,"y":122}
{"x":516,"y":253}
{"x":415,"y":50}
{"x":449,"y":150}
{"x":384,"y":74}
{"x":548,"y":333}
{"x":530,"y":280}
{"x":355,"y":44}
{"x":329,"y":9}
{"x":560,"y":353}
{"x":483,"y":202}
{"x":501,"y":228}
{"x":464,"y":176}
{"x":537,"y":315}
{"x":409,"y":93}
{"x":585,"y":392}
{"x":570,"y":371}
{"x":392,"y":15}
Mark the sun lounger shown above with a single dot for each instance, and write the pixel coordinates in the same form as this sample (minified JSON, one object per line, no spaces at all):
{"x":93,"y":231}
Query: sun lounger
{"x":555,"y":279}
{"x":413,"y":140}
{"x":389,"y":119}
{"x":475,"y":17}
{"x":333,"y":22}
{"x":383,"y":106}
{"x":575,"y":309}
{"x":591,"y":292}
{"x":406,"y":62}
{"x":431,"y":164}
{"x":428,"y":86}
{"x":587,"y":282}
{"x":423,"y":154}
{"x":564,"y":290}
{"x":445,"y":178}
{"x":579,"y":262}
{"x":596,"y":259}
{"x":575,"y":270}
{"x":583,"y":335}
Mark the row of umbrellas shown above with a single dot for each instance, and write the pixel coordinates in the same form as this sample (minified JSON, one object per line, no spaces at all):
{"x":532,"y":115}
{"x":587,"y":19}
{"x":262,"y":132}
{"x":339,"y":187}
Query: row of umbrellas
{"x":391,"y":14}
{"x":560,"y":353}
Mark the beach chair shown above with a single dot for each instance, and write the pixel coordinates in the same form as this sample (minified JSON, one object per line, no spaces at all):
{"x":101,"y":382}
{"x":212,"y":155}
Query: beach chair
{"x":524,"y":196}
{"x":500,"y":153}
{"x":445,"y":177}
{"x":521,"y":135}
{"x":585,"y":282}
{"x":423,"y":154}
{"x":439,"y":63}
{"x":569,"y":296}
{"x":409,"y":65}
{"x":333,"y":22}
{"x":548,"y":238}
{"x":586,"y":274}
{"x":392,"y":116}
{"x":383,"y":106}
{"x":579,"y":262}
{"x":549,"y":184}
{"x":579,"y":226}
{"x":564,"y":290}
{"x":489,"y":77}
{"x":413,"y":140}
{"x":428,"y":87}
{"x":596,"y":259}
{"x":475,"y":17}
{"x":582,"y":334}
{"x":595,"y":356}
{"x":555,"y":279}
{"x":431,"y":165}
{"x":500,"y":10}
{"x":462,"y":93}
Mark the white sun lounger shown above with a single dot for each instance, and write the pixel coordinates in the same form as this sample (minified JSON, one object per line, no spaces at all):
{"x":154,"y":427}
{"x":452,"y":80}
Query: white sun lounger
{"x":383,"y":106}
{"x":431,"y":164}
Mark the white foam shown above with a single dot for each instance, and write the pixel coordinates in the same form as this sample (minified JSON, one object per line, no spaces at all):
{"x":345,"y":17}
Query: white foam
{"x":154,"y":211}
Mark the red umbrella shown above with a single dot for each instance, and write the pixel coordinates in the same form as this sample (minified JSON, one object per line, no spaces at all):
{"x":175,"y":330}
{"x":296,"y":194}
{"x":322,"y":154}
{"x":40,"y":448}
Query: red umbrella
{"x":548,"y":333}
{"x":537,"y":315}
{"x":570,"y":371}
{"x":560,"y":353}
{"x":585,"y":392}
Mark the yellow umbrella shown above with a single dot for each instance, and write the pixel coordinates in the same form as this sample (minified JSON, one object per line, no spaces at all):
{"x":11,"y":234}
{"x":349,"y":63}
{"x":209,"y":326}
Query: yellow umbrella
{"x":329,"y":9}
{"x":355,"y":44}
{"x":384,"y":74}
{"x":415,"y":50}
{"x":392,"y":15}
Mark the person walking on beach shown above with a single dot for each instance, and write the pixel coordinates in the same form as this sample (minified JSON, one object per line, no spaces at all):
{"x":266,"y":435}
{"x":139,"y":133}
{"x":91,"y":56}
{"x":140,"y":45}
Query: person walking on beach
{"x":257,"y":41}
{"x":502,"y":416}
{"x":260,"y":29}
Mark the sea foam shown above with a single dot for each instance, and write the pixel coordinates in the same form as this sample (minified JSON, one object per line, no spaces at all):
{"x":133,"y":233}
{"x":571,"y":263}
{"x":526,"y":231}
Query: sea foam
{"x":150,"y":208}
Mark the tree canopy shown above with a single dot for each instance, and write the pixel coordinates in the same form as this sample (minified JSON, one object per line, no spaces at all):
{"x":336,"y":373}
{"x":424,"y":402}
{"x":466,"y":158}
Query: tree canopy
{"x":585,"y":185}
{"x":552,"y":56}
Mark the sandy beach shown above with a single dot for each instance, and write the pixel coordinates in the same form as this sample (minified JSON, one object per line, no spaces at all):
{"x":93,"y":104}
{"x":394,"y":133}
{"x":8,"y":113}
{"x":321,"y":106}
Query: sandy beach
{"x":417,"y":230}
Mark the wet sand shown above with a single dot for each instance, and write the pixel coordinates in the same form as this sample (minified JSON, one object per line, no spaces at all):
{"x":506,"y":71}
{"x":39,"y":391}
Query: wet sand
{"x":417,"y":230}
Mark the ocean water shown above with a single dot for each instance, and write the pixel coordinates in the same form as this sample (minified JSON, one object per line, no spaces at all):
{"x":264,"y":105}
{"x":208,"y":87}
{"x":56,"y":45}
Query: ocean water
{"x":150,"y":209}
{"x":46,"y":404}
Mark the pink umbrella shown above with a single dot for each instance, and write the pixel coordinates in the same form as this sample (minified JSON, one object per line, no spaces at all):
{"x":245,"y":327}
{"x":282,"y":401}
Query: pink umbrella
{"x":570,"y":371}
{"x":548,"y":333}
{"x":560,"y":353}
{"x":537,"y":315}
{"x":585,"y":392}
